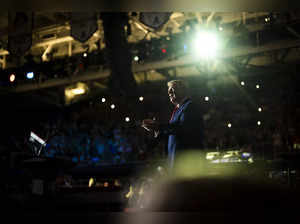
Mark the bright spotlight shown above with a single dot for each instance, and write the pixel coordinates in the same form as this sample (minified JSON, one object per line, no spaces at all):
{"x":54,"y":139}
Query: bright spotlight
{"x":257,"y":86}
{"x":85,"y":54}
{"x":127,"y":119}
{"x":141,"y":98}
{"x":112,"y":106}
{"x":206,"y":98}
{"x":103,"y":100}
{"x":30,"y":75}
{"x":206,"y":45}
{"x":260,"y":109}
{"x":136,"y":58}
{"x":229,"y":125}
{"x":258,"y":123}
{"x":12,"y":78}
{"x":242,"y":83}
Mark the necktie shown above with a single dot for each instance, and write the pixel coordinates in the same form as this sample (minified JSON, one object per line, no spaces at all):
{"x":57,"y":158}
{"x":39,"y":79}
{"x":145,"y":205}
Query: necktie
{"x":173,"y":113}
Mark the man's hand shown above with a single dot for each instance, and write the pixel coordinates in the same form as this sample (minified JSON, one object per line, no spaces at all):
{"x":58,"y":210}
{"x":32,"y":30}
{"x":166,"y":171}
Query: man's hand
{"x":150,"y":125}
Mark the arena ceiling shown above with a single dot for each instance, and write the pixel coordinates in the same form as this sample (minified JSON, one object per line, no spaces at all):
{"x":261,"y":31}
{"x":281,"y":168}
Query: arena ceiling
{"x":53,"y":29}
{"x":51,"y":33}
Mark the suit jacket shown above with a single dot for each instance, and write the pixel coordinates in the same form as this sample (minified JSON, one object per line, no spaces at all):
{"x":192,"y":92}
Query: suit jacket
{"x":184,"y":131}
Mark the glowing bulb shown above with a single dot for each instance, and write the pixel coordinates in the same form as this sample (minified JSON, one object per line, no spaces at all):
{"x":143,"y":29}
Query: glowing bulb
{"x":242,"y":83}
{"x":141,"y":98}
{"x":206,"y":98}
{"x":259,"y":109}
{"x":229,"y":125}
{"x":258,"y":123}
{"x":136,"y":58}
{"x":257,"y":86}
{"x":85,"y":55}
{"x":127,"y":119}
{"x":112,"y":106}
{"x":30,"y":75}
{"x":103,"y":100}
{"x":12,"y":78}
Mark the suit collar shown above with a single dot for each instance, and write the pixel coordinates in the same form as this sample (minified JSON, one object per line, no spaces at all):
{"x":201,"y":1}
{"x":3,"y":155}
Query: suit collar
{"x":185,"y":100}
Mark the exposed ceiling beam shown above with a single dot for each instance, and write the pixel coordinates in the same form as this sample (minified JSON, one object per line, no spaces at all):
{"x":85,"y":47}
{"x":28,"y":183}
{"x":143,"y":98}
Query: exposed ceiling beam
{"x":66,"y":81}
{"x":52,"y":42}
{"x":4,"y":52}
{"x":228,"y":53}
{"x":183,"y":61}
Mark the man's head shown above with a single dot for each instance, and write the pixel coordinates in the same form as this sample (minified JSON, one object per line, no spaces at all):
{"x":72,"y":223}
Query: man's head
{"x":177,"y":91}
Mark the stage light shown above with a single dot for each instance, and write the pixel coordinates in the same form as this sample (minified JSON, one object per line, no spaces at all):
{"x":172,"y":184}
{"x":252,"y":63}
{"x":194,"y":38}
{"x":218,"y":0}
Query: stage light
{"x":246,"y":154}
{"x":91,"y":182}
{"x":205,"y":45}
{"x":75,"y":90}
{"x":130,"y":193}
{"x":136,"y":58}
{"x":242,"y":83}
{"x":258,"y":123}
{"x":229,"y":125}
{"x":103,"y":100}
{"x":260,"y":109}
{"x":30,"y":75}
{"x":85,"y":54}
{"x":257,"y":86}
{"x":206,"y":98}
{"x":112,"y":106}
{"x":141,"y":98}
{"x":34,"y":137}
{"x":12,"y":78}
{"x":78,"y":91}
{"x":267,"y":19}
{"x":127,"y":119}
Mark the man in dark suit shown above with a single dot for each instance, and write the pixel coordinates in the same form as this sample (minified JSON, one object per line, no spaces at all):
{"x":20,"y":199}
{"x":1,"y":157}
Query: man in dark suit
{"x":185,"y":128}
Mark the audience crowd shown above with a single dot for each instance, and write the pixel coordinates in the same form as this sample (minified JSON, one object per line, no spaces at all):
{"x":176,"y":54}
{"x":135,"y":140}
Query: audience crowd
{"x":97,"y":142}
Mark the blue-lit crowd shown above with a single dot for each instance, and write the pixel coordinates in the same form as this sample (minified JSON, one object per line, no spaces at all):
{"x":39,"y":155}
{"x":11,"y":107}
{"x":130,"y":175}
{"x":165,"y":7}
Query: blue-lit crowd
{"x":97,"y":143}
